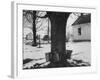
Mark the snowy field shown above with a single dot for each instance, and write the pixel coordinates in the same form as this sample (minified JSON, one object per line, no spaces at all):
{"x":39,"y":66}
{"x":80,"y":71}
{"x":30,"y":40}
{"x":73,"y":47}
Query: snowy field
{"x":81,"y":51}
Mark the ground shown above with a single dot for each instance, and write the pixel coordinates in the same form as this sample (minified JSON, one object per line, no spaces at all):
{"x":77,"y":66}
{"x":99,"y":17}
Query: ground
{"x":36,"y":55}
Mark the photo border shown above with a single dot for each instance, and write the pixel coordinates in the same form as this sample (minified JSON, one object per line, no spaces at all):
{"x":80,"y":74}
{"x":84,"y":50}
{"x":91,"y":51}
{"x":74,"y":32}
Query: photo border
{"x":17,"y":70}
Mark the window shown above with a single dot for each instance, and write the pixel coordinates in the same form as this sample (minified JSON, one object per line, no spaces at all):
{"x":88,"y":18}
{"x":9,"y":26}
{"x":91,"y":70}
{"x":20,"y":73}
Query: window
{"x":79,"y":31}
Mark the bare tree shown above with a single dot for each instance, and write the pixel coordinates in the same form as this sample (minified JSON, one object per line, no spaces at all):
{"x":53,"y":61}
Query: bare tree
{"x":34,"y":43}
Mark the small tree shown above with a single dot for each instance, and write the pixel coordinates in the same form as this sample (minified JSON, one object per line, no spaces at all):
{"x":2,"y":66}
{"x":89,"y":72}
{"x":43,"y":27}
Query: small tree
{"x":31,"y":18}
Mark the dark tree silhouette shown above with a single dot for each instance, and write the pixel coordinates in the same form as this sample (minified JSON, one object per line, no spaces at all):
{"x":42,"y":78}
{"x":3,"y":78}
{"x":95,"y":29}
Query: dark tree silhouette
{"x":34,"y":43}
{"x":58,"y":37}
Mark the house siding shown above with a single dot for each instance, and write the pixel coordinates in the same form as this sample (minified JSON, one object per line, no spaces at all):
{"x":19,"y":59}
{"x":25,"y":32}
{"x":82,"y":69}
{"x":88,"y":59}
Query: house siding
{"x":85,"y":32}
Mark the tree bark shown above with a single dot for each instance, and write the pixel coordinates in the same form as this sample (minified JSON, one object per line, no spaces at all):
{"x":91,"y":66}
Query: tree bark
{"x":58,"y":36}
{"x":48,"y":31}
{"x":34,"y":43}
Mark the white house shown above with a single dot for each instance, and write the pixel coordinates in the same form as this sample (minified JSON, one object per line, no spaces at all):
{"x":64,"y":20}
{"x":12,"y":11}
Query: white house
{"x":82,"y":28}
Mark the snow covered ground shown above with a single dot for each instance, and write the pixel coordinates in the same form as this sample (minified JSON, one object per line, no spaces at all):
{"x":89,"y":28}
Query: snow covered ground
{"x":81,"y":51}
{"x":36,"y":52}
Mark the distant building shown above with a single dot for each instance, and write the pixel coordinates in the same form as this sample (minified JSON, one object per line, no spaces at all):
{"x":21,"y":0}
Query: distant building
{"x":82,"y":28}
{"x":29,"y":36}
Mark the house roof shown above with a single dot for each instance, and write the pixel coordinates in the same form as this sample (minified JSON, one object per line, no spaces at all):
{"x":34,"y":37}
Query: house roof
{"x":83,"y":19}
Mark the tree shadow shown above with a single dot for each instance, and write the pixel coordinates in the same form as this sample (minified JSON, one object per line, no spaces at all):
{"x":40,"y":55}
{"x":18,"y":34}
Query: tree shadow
{"x":68,"y":63}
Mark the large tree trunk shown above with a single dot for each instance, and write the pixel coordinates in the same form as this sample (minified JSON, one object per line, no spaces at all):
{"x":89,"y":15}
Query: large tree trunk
{"x":34,"y":43}
{"x":58,"y":37}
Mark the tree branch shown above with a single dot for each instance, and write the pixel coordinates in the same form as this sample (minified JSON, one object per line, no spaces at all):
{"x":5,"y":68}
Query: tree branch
{"x":43,"y":16}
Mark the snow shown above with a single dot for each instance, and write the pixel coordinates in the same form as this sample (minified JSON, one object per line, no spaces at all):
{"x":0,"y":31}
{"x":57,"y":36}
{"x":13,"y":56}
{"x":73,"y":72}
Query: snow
{"x":35,"y":52}
{"x":81,"y":51}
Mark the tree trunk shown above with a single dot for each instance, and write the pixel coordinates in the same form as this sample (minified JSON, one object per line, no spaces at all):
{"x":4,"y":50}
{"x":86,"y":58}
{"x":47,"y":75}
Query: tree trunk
{"x":34,"y":43}
{"x":58,"y":37}
{"x":48,"y":31}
